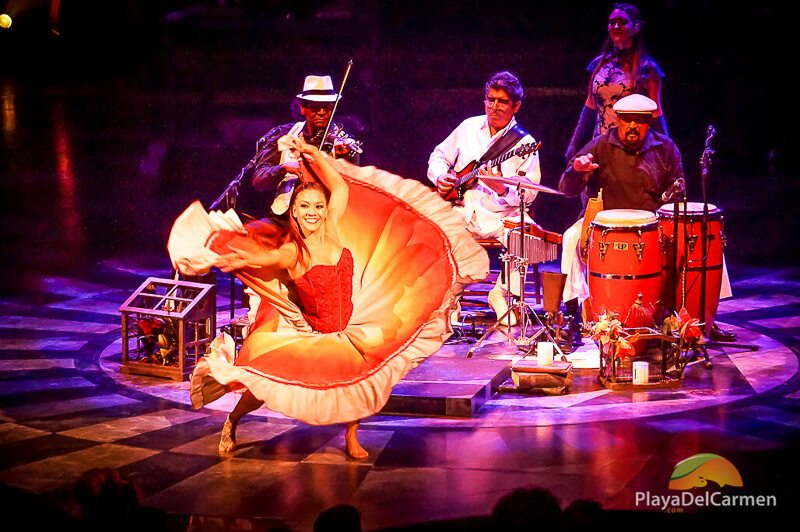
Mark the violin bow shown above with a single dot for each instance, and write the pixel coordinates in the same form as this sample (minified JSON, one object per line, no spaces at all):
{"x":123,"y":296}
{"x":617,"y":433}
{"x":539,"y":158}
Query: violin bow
{"x":336,"y":103}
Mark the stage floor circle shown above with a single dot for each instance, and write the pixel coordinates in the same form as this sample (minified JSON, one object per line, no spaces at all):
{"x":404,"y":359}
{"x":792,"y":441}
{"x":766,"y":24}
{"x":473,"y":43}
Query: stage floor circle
{"x":737,"y":374}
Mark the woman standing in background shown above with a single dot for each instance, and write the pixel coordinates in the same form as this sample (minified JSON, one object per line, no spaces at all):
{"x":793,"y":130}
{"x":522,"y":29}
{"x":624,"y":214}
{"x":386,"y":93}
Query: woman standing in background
{"x":622,"y":68}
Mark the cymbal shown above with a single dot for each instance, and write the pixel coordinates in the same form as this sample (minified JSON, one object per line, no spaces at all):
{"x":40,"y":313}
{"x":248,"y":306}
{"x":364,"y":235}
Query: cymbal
{"x":520,"y":181}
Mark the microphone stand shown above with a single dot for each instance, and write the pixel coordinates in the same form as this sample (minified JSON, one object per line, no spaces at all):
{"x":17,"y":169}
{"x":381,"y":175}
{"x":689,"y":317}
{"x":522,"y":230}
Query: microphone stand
{"x":525,"y":341}
{"x":229,"y":196}
{"x":707,"y":153}
{"x":705,"y":163}
{"x":520,"y":263}
{"x":672,"y":302}
{"x":684,"y":267}
{"x":676,"y":272}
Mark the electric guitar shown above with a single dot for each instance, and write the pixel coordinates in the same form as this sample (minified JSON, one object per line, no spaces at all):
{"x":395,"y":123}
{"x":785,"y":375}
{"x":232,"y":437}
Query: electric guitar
{"x":468,"y":177}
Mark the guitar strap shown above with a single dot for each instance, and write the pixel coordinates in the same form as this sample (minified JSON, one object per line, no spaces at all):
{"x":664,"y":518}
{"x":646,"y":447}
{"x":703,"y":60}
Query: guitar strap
{"x":498,"y":148}
{"x":504,"y":143}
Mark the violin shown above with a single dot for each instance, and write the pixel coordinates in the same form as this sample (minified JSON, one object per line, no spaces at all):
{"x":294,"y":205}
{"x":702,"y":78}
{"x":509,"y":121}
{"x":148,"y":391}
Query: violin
{"x":336,"y":139}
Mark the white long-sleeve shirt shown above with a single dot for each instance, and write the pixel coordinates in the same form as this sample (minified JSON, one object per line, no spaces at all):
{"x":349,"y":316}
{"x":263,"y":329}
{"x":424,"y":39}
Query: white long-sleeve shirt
{"x":483,"y":209}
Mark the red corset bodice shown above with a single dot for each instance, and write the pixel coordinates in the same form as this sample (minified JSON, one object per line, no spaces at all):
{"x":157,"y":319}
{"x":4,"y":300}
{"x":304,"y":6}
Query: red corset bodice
{"x":325,"y":294}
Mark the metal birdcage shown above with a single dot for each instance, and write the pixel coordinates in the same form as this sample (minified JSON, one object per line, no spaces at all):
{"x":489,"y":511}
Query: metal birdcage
{"x":167,"y":325}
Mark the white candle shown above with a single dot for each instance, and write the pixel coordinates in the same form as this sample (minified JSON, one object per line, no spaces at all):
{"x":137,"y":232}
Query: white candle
{"x":641,"y":372}
{"x":544,"y":353}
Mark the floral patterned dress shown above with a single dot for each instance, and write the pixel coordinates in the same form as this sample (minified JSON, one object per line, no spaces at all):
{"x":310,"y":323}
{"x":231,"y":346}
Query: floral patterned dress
{"x":613,"y":81}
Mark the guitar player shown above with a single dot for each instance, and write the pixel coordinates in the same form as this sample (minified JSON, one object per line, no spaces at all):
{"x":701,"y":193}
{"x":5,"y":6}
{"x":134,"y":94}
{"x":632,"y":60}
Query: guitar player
{"x":485,"y":205}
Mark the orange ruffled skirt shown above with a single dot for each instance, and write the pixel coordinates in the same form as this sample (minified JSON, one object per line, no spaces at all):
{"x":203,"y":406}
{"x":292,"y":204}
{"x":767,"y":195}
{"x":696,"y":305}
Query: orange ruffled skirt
{"x":410,"y":249}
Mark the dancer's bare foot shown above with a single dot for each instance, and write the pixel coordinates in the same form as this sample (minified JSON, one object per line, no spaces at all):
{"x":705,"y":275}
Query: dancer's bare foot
{"x":227,"y":440}
{"x":354,"y":448}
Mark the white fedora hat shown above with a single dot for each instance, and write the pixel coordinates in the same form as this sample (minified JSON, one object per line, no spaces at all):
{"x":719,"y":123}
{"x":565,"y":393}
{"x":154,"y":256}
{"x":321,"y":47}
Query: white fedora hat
{"x":318,"y":89}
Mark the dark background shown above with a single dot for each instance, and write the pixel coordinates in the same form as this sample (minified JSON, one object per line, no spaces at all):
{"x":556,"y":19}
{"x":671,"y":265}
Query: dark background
{"x":116,"y":114}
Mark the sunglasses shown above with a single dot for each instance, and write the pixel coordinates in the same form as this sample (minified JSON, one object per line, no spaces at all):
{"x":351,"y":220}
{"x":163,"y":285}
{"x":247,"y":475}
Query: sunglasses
{"x":635,"y":117}
{"x":317,"y":107}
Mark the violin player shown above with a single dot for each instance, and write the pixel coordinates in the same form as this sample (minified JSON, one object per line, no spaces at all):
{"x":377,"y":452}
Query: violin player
{"x":276,"y":171}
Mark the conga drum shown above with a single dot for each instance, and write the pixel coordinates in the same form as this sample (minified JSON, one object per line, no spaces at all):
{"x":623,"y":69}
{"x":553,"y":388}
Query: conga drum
{"x":689,"y":259}
{"x":624,"y":260}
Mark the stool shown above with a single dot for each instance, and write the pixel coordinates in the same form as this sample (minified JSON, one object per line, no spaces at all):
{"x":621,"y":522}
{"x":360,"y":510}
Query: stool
{"x":487,"y":244}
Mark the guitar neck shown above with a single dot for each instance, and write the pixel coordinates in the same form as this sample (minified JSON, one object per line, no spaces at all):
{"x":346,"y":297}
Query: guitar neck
{"x":492,"y":163}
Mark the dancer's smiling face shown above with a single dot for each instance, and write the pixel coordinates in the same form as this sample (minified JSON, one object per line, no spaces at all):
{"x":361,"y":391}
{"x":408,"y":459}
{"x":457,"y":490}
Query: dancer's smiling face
{"x":310,"y":210}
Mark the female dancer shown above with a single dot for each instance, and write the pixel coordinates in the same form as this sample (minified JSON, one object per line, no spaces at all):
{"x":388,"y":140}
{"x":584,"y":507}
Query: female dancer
{"x":313,"y":253}
{"x":359,"y":293}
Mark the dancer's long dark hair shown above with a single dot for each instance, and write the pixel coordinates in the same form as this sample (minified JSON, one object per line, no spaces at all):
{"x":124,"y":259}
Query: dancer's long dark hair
{"x":637,"y":48}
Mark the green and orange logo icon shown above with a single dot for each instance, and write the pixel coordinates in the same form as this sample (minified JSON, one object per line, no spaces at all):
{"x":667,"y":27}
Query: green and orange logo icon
{"x":696,"y":471}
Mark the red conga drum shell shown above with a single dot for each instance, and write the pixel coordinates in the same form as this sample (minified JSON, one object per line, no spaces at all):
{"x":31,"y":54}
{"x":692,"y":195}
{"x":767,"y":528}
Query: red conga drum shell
{"x":624,"y":260}
{"x":691,"y":223}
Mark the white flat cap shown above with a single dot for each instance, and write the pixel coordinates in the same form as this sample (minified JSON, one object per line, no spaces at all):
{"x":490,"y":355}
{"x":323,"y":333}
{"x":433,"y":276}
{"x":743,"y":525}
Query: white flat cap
{"x":635,"y":103}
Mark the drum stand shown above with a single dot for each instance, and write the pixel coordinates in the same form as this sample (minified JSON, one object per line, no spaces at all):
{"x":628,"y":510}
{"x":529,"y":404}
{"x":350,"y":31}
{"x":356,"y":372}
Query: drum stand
{"x":678,"y":272}
{"x":503,"y":324}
